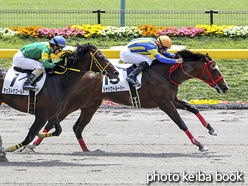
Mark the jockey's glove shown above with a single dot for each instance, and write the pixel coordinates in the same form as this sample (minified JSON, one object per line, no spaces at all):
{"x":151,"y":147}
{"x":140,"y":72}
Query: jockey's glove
{"x":179,"y":60}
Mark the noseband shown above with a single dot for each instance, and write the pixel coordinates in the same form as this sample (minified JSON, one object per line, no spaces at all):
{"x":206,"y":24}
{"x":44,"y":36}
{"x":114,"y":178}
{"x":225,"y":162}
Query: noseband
{"x":173,"y":68}
{"x":98,"y":65}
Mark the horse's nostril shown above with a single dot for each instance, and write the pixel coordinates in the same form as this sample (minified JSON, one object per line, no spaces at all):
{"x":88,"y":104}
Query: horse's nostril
{"x":116,"y":73}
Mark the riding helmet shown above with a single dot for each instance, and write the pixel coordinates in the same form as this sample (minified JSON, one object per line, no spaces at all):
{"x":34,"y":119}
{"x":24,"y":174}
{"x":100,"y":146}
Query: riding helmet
{"x":58,"y":41}
{"x":164,"y":41}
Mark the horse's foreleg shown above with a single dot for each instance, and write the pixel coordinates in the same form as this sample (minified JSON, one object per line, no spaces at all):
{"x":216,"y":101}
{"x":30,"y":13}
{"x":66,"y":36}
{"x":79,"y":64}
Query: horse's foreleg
{"x":57,"y":132}
{"x":186,"y":106}
{"x":34,"y":129}
{"x":86,"y":114}
{"x":171,"y":111}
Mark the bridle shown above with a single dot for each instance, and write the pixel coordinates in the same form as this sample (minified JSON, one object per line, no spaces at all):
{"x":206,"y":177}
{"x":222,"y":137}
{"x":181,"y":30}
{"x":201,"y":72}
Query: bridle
{"x":98,"y":65}
{"x":93,"y":60}
{"x":212,"y":83}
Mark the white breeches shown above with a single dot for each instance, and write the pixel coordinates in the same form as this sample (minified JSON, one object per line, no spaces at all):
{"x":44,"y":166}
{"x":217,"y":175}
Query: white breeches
{"x":20,"y":61}
{"x":127,"y":56}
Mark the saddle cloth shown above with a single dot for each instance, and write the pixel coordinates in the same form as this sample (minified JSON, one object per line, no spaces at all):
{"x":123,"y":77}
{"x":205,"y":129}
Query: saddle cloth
{"x":119,"y":84}
{"x":14,"y":81}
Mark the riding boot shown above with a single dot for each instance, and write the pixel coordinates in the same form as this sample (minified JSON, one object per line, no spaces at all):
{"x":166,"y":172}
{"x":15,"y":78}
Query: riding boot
{"x":132,"y":76}
{"x":28,"y":84}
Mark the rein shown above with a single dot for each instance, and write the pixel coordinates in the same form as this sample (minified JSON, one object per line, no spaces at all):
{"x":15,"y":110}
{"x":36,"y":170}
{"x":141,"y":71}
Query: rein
{"x":173,"y":68}
{"x":93,"y":59}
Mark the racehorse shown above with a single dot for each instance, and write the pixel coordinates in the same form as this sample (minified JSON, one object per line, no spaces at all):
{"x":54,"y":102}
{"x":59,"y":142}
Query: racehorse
{"x":57,"y":89}
{"x":159,"y":89}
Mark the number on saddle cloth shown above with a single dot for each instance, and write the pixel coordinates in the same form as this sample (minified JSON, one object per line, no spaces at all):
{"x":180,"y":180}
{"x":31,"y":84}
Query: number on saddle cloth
{"x":15,"y":78}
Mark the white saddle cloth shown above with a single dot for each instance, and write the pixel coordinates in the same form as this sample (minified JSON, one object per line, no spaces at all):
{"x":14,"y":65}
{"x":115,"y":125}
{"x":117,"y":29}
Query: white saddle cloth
{"x":119,"y":84}
{"x":14,"y":80}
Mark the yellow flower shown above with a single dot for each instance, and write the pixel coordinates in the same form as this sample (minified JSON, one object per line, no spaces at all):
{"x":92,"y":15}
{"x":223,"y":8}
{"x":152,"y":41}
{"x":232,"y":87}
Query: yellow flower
{"x":213,"y":28}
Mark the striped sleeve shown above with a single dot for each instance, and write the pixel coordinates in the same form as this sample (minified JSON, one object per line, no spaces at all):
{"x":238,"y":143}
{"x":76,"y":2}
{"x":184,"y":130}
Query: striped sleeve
{"x":46,"y":60}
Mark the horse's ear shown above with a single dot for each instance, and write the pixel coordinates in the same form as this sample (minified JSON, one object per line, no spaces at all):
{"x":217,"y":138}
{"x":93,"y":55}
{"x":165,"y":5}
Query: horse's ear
{"x":213,"y":64}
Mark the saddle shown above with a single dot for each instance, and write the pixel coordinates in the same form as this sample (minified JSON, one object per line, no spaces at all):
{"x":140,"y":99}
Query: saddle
{"x":28,"y":72}
{"x":13,"y":84}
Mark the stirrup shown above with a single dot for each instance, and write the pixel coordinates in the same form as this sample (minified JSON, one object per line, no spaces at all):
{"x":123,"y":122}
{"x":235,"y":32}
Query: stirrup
{"x":29,"y":87}
{"x":135,"y":83}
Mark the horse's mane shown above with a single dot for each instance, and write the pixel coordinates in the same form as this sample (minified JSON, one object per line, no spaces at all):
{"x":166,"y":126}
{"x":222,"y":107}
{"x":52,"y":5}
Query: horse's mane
{"x":73,"y":56}
{"x":190,"y":56}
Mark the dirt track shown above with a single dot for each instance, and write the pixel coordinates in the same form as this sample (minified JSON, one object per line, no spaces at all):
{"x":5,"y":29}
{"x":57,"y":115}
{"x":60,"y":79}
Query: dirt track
{"x":128,"y":147}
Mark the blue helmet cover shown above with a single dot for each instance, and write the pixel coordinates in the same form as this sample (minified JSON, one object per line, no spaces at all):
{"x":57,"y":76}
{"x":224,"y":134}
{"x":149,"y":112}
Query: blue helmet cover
{"x":59,"y":41}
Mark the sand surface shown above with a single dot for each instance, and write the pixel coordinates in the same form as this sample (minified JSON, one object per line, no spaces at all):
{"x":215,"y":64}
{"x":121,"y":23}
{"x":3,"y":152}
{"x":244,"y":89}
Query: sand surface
{"x":129,"y":147}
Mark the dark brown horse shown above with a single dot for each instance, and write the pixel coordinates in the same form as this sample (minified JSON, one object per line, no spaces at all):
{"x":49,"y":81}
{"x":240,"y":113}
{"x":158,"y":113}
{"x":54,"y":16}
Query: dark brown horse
{"x":57,"y":89}
{"x":159,"y":89}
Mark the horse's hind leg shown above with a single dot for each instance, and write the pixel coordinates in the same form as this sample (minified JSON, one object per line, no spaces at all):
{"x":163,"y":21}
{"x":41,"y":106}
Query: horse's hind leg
{"x":86,"y":114}
{"x":57,"y":132}
{"x":180,"y":104}
{"x":171,"y":111}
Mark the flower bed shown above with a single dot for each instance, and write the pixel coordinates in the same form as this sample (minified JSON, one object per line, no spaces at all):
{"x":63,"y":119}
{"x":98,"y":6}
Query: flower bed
{"x":192,"y":102}
{"x":88,"y":31}
{"x":199,"y":104}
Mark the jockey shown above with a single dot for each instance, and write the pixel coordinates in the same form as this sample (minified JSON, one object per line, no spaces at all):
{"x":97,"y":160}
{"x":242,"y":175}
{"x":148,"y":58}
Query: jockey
{"x":28,"y":58}
{"x":137,"y":51}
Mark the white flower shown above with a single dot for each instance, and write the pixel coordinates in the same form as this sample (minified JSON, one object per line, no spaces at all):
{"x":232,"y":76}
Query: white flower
{"x":121,"y":32}
{"x":6,"y":32}
{"x":239,"y":31}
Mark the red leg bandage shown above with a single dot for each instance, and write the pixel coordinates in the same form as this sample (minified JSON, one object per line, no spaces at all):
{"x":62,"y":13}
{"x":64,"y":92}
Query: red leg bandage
{"x":82,"y":144}
{"x":191,"y":137}
{"x":39,"y":140}
{"x":202,"y":119}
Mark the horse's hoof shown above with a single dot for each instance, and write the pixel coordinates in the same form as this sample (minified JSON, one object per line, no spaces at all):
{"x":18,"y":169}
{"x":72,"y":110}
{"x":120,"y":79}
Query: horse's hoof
{"x":27,"y":149}
{"x":213,"y":132}
{"x":203,"y":149}
{"x":32,"y":146}
{"x":2,"y":149}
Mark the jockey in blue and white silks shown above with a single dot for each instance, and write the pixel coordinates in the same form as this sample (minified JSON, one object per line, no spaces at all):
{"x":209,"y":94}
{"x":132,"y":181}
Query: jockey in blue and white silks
{"x":137,"y":51}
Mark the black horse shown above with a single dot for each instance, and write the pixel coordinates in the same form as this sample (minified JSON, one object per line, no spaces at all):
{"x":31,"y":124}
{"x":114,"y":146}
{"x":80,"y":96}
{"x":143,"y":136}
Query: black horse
{"x":159,"y":89}
{"x":51,"y":100}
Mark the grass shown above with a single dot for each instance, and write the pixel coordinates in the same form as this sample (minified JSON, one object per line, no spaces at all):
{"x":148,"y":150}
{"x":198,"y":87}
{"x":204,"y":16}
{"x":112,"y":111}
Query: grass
{"x":56,"y":20}
{"x":234,"y":70}
{"x":129,"y":5}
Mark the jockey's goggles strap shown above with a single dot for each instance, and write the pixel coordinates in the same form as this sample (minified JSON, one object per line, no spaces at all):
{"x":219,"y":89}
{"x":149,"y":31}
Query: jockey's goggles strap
{"x":162,"y":46}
